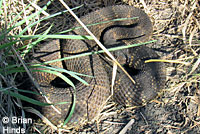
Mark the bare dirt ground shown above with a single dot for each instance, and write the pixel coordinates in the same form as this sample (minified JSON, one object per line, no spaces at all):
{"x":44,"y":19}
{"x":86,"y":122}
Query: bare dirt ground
{"x":176,"y":110}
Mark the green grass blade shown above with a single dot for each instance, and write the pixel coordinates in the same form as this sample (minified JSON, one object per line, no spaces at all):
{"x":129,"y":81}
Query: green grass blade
{"x":36,"y":22}
{"x":31,"y":45}
{"x":64,"y":71}
{"x":98,"y":52}
{"x":57,"y":74}
{"x":118,"y":19}
{"x":27,"y":99}
{"x":30,"y":17}
{"x":24,"y":98}
{"x":13,"y":69}
{"x":53,"y":15}
{"x":1,"y":11}
{"x":72,"y":110}
{"x":8,"y":44}
{"x":18,"y":15}
{"x":79,"y":37}
{"x":26,"y":91}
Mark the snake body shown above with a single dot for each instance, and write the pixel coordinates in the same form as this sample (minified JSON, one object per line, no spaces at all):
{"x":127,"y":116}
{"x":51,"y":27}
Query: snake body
{"x":149,"y":77}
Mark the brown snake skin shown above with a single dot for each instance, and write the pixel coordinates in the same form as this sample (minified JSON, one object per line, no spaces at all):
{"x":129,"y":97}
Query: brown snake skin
{"x":149,"y":77}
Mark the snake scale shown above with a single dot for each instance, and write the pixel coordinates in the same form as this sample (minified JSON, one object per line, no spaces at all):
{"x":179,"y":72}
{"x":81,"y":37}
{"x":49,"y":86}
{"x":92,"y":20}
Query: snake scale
{"x":149,"y":77}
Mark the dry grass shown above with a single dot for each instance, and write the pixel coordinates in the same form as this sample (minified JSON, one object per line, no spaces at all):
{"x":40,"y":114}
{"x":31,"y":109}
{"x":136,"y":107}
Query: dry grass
{"x":177,"y":29}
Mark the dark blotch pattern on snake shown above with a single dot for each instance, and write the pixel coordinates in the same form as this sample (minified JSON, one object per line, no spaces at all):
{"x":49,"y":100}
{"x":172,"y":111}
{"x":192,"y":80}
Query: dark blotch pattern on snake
{"x":149,"y":77}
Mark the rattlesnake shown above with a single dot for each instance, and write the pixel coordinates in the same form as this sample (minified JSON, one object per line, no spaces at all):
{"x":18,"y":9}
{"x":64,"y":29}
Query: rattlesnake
{"x":149,"y":77}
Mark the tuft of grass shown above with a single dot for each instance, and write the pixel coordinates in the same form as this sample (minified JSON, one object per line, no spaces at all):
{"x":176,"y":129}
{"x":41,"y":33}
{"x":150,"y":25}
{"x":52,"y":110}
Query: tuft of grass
{"x":11,"y":67}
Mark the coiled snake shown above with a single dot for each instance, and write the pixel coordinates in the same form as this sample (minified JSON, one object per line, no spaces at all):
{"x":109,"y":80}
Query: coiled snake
{"x":149,"y":77}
